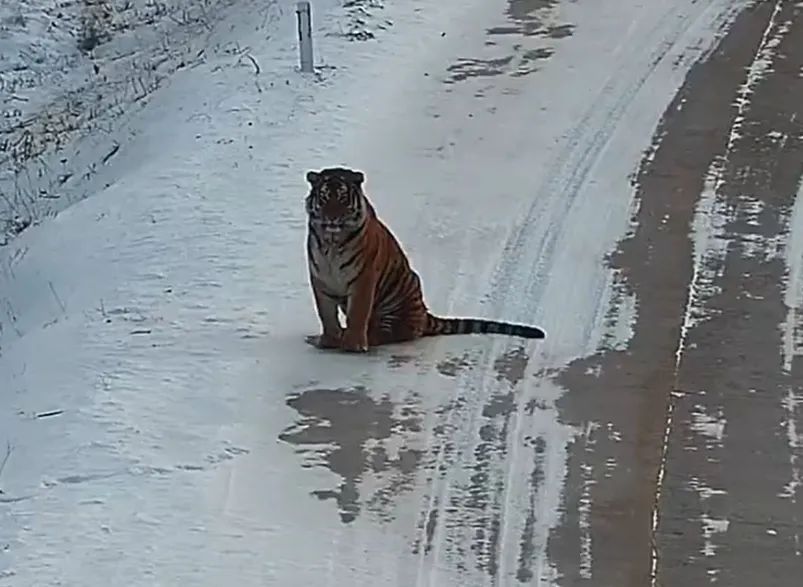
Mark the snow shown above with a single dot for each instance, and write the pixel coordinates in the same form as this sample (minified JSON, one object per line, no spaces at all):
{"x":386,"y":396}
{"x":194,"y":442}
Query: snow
{"x":72,"y":74}
{"x":168,"y":422}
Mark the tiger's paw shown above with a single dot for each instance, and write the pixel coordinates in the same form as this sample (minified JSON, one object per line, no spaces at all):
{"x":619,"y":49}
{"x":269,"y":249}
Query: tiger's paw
{"x":354,"y":343}
{"x":323,"y":341}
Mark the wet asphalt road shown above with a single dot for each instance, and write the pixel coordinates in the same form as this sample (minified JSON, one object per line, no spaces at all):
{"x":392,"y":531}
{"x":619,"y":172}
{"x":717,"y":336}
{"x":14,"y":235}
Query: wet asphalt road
{"x":709,"y":408}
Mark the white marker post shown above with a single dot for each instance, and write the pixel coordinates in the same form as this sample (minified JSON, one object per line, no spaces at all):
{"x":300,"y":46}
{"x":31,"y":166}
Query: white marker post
{"x":305,"y":35}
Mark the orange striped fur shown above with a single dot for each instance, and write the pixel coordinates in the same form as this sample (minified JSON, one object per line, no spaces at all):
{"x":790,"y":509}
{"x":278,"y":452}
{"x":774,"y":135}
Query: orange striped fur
{"x":356,"y":265}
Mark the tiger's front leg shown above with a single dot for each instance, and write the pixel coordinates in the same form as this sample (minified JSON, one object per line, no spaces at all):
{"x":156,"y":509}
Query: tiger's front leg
{"x":358,"y":314}
{"x":332,"y":332}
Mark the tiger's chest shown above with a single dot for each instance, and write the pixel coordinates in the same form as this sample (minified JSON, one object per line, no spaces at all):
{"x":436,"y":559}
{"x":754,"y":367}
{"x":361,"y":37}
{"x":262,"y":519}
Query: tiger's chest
{"x":329,"y":265}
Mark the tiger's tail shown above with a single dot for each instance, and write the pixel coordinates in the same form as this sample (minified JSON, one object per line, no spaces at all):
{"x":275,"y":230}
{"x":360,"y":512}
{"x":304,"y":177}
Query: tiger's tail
{"x":437,"y":326}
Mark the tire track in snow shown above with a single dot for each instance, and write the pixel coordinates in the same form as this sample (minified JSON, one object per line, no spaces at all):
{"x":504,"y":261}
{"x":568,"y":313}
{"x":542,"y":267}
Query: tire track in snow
{"x":572,"y":166}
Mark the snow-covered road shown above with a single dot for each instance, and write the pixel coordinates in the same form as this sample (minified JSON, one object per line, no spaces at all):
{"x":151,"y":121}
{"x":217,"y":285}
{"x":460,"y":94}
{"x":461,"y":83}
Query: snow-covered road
{"x":170,"y":426}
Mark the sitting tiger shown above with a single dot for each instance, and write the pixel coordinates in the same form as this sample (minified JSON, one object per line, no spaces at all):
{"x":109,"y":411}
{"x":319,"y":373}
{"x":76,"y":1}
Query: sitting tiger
{"x":357,"y":265}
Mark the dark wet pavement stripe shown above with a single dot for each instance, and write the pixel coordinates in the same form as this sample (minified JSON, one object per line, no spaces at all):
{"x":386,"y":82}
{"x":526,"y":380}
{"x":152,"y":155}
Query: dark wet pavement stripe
{"x":731,"y":510}
{"x":623,"y":398}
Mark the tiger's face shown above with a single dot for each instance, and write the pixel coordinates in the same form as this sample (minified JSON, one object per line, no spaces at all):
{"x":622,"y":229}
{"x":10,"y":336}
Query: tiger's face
{"x":335,"y":204}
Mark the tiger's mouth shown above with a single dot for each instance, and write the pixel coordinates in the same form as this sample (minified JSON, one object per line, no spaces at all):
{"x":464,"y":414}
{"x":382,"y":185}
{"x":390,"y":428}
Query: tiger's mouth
{"x":331,"y":233}
{"x":332,"y":230}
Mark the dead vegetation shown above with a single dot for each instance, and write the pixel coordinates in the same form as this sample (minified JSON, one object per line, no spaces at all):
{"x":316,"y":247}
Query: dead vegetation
{"x":122,"y":51}
{"x":96,"y":24}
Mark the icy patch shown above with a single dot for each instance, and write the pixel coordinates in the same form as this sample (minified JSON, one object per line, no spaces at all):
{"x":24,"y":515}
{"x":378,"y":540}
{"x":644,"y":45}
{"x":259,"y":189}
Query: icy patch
{"x":709,"y":222}
{"x":793,"y":326}
{"x":584,"y":507}
{"x":620,"y":320}
{"x":584,"y":522}
{"x":755,"y":244}
{"x":710,"y":247}
{"x":712,"y":526}
{"x":712,"y":427}
{"x":792,"y":349}
{"x":705,"y":492}
{"x":752,"y":208}
{"x":791,"y":403}
{"x":760,"y":67}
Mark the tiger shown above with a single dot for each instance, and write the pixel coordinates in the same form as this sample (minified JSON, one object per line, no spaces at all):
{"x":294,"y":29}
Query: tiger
{"x":356,"y":265}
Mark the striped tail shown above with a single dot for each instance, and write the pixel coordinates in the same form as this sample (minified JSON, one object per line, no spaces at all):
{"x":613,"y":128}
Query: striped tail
{"x":439,"y":326}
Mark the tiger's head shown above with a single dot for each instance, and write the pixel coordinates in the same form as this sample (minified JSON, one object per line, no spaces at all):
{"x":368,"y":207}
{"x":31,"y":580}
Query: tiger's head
{"x":336,"y":205}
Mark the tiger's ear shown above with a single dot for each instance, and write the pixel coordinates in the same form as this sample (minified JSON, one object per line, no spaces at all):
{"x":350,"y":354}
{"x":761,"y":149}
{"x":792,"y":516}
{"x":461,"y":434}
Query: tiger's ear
{"x":313,"y":177}
{"x":357,"y":177}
